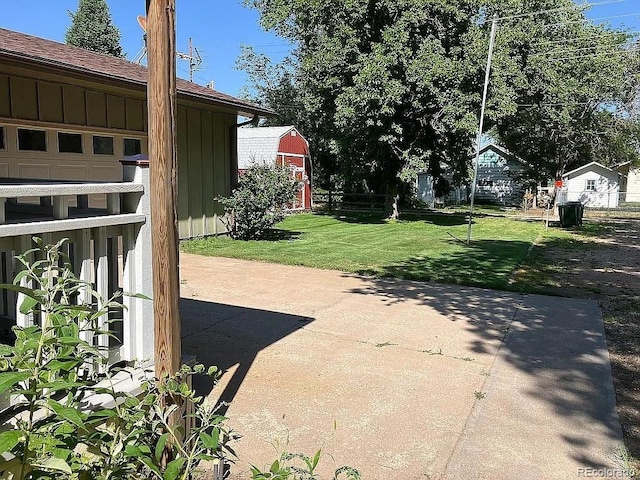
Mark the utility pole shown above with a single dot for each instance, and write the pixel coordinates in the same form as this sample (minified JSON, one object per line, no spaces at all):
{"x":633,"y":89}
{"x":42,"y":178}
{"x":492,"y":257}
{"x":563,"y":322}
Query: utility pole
{"x":487,"y":76}
{"x":161,"y":97}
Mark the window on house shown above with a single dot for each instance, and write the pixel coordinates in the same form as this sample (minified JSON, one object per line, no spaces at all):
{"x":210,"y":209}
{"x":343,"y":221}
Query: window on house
{"x":102,"y":145}
{"x":132,"y":146}
{"x":69,"y":142}
{"x":32,"y":140}
{"x":2,"y":144}
{"x":591,"y":185}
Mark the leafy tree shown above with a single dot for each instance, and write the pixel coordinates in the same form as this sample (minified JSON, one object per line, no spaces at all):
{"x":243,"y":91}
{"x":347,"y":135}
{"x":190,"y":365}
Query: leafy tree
{"x":272,"y":85}
{"x":563,"y":91}
{"x":390,"y":88}
{"x":259,"y":201}
{"x":386,"y":84}
{"x":92,"y":28}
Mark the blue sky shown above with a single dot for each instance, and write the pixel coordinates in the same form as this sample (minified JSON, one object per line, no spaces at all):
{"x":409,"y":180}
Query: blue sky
{"x":218,"y":28}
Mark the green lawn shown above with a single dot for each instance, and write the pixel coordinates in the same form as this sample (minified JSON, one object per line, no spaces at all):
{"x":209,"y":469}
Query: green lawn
{"x":420,"y":247}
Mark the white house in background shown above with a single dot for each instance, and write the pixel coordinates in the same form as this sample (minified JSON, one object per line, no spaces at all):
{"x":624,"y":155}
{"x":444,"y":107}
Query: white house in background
{"x":593,"y":184}
{"x":629,"y":182}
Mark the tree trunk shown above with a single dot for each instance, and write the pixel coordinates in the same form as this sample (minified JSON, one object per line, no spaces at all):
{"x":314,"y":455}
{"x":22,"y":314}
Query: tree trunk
{"x":392,"y":203}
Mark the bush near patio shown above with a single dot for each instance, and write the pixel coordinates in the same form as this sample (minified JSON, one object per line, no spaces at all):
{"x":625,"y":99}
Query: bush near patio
{"x":259,"y":201}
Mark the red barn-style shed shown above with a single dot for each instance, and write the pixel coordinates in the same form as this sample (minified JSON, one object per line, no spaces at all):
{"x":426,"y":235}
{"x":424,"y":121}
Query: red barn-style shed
{"x":279,"y":146}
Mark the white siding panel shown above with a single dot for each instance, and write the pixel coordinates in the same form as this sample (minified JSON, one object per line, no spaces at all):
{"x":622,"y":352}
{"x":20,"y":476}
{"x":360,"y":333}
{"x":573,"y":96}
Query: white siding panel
{"x":33,"y":170}
{"x":72,"y":172}
{"x":633,"y":186}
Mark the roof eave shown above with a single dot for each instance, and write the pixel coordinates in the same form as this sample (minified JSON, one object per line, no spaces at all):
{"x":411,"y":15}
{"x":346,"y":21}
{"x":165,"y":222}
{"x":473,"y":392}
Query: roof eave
{"x":241,"y":108}
{"x":594,"y":163}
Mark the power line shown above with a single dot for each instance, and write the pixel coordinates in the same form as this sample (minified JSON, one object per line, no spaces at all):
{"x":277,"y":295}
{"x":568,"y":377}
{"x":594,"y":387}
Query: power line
{"x":573,"y":50}
{"x":269,"y":45}
{"x":597,"y":54}
{"x":560,"y":9}
{"x":629,"y":34}
{"x":585,"y":19}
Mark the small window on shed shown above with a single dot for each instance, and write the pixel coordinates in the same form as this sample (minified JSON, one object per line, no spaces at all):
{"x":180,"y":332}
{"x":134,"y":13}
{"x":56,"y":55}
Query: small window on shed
{"x":132,"y":146}
{"x":2,"y":141}
{"x":102,"y":145}
{"x":69,"y":142}
{"x":32,"y":140}
{"x":591,"y":185}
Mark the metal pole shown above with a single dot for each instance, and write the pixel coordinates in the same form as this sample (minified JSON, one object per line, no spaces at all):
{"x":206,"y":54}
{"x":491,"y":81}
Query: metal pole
{"x":487,"y":75}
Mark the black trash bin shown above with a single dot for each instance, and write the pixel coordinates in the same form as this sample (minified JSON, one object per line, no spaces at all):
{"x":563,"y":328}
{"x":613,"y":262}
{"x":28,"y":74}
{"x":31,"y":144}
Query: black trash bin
{"x":571,"y":214}
{"x":579,"y":211}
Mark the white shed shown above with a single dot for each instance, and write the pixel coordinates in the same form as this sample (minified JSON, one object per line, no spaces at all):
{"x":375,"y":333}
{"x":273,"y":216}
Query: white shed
{"x":424,"y":186}
{"x":594,"y":185}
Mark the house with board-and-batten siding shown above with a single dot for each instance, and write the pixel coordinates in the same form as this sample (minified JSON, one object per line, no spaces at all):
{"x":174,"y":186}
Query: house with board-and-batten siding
{"x":499,"y":177}
{"x":71,"y":114}
{"x":500,"y":181}
{"x":74,"y":165}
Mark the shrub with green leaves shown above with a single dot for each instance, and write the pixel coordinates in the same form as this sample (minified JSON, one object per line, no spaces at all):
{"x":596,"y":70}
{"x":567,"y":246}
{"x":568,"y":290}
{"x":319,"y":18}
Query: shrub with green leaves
{"x":259,"y":201}
{"x":58,"y":432}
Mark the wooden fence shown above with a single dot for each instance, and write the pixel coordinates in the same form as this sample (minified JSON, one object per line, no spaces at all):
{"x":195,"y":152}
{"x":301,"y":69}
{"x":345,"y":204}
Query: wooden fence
{"x":339,"y":200}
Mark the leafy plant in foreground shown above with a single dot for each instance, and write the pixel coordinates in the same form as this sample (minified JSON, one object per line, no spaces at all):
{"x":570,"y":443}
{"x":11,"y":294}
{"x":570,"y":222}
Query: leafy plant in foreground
{"x":69,"y":426}
{"x":297,"y":466}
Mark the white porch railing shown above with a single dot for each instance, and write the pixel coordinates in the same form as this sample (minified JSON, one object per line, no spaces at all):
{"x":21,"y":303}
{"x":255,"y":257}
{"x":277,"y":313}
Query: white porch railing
{"x":109,"y":248}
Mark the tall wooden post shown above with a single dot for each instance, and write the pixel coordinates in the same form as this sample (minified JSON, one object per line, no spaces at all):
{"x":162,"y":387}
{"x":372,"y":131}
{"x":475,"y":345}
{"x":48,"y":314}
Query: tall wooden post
{"x":161,"y":97}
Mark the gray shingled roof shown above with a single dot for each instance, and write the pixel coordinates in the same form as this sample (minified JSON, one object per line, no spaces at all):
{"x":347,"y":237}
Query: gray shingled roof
{"x":259,"y":144}
{"x":42,"y":52}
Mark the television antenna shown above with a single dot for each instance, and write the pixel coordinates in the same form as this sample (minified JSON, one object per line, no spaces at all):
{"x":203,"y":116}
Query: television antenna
{"x":193,"y":57}
{"x":142,"y":21}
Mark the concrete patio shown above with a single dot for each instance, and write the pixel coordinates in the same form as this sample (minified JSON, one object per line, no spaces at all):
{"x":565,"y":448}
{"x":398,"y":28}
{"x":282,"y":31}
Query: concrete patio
{"x":403,"y":380}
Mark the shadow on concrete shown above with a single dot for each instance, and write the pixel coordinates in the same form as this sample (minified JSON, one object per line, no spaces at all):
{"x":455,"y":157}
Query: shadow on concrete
{"x":559,"y":345}
{"x":230,"y":337}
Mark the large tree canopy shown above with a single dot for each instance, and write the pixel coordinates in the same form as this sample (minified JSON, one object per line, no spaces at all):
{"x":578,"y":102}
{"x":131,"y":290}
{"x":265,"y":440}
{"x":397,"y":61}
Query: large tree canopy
{"x":92,"y":29}
{"x":563,"y":91}
{"x":390,"y":87}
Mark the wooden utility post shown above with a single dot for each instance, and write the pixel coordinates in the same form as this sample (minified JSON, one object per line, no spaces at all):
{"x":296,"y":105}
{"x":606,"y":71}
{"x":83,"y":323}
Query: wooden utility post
{"x":161,"y":97}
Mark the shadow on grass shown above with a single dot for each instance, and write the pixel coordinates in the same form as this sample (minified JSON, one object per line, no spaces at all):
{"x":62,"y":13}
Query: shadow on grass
{"x":374,"y":218}
{"x":367,"y":218}
{"x":486,"y":263}
{"x":444,"y":220}
{"x":276,"y":235}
